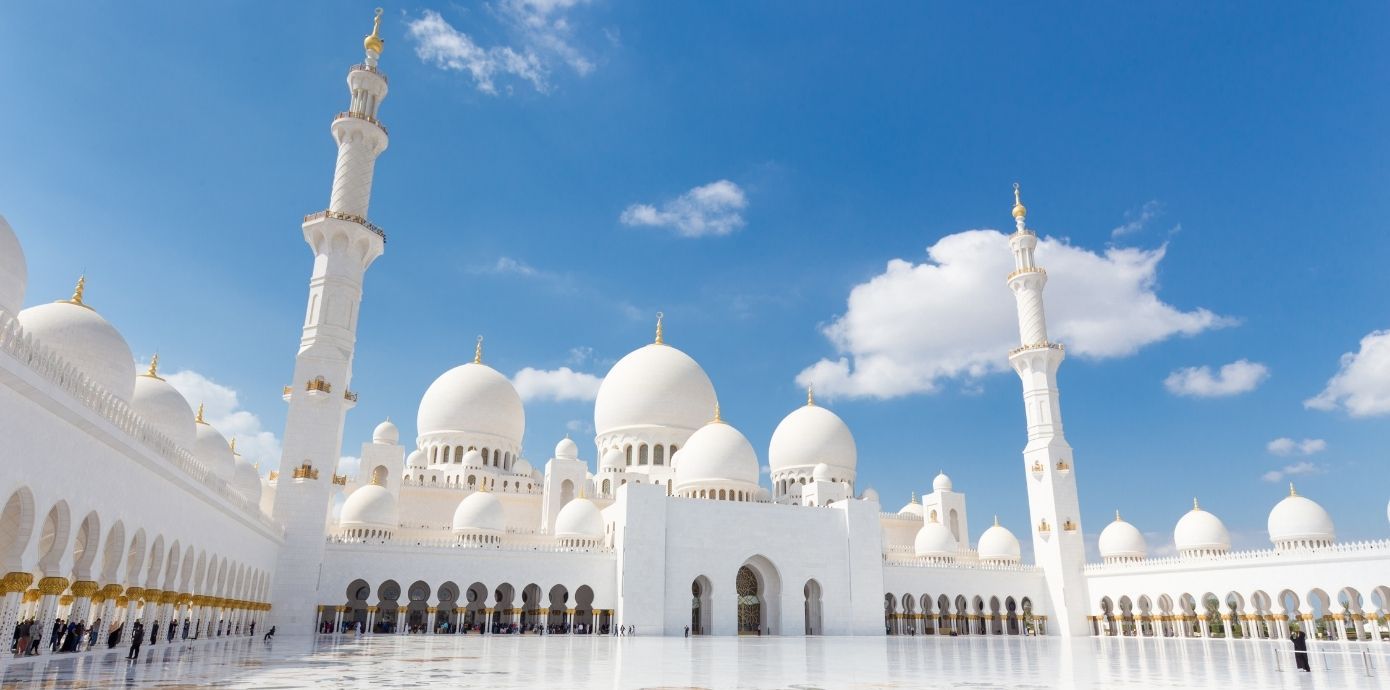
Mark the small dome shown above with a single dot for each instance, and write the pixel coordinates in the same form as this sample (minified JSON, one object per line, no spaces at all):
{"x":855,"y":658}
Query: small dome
{"x":417,"y":460}
{"x":1122,"y":541}
{"x":472,"y":398}
{"x":164,"y":408}
{"x":809,"y":436}
{"x":81,"y":337}
{"x":717,"y":453}
{"x":473,"y":458}
{"x":386,"y":434}
{"x":999,"y":545}
{"x":1300,"y":522}
{"x":912,"y":507}
{"x":522,"y":467}
{"x":480,"y":512}
{"x":613,"y":459}
{"x":653,"y":386}
{"x":934,"y":541}
{"x":822,"y":473}
{"x":14,"y":272}
{"x":567,"y":449}
{"x":371,"y":506}
{"x":870,"y":494}
{"x":212,"y":449}
{"x":579,"y":519}
{"x":246,"y":480}
{"x":1200,"y":533}
{"x":941,"y":483}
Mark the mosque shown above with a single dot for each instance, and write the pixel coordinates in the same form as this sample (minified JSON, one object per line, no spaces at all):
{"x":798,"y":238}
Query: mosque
{"x":457,"y":531}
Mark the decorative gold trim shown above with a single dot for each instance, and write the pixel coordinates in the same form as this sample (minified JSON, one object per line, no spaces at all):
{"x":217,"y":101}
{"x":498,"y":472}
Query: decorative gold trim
{"x":373,"y":42}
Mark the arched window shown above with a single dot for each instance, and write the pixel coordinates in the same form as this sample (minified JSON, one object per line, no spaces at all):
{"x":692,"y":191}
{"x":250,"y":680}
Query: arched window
{"x":627,"y":452}
{"x":659,"y":455}
{"x":458,"y":454}
{"x":642,"y":454}
{"x":607,"y":486}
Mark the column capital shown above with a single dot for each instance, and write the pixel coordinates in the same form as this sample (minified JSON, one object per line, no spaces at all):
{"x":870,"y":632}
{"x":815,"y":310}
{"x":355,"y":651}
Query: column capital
{"x":84,"y":588}
{"x":53,"y":585}
{"x":17,"y":581}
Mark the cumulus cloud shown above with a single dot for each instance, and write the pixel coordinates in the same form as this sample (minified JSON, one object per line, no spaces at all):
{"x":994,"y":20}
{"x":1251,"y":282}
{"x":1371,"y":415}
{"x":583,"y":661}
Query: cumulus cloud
{"x":540,"y":29}
{"x":223,"y":411}
{"x":1240,"y":376}
{"x":1298,"y":468}
{"x":917,"y":324}
{"x":1362,"y":385}
{"x":712,"y":209}
{"x":1136,"y":220}
{"x":555,"y":384}
{"x":1287,"y":446}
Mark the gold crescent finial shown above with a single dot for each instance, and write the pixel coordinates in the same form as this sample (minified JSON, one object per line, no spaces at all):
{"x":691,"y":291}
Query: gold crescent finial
{"x":199,"y":419}
{"x":717,"y":419}
{"x":1291,"y":490}
{"x":478,"y":351}
{"x":1194,"y":504}
{"x":810,"y":396}
{"x":659,"y":317}
{"x":154,"y":367}
{"x":232,"y":445}
{"x":996,"y":520}
{"x":914,"y":496}
{"x":373,"y":42}
{"x":1117,"y":515}
{"x":1019,"y":210}
{"x":77,"y":292}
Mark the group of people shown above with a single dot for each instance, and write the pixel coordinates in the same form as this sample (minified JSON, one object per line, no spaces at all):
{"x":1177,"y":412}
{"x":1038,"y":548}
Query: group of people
{"x":64,"y":636}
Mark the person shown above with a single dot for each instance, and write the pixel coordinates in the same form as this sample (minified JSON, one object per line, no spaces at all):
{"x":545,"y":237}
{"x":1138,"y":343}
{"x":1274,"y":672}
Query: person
{"x":22,"y":638}
{"x":35,"y":638}
{"x":92,"y":634}
{"x":269,"y":634}
{"x":1300,"y":650}
{"x":137,"y":637}
{"x":114,"y":637}
{"x":185,"y":628}
{"x":251,"y":632}
{"x":154,"y":632}
{"x":687,"y":631}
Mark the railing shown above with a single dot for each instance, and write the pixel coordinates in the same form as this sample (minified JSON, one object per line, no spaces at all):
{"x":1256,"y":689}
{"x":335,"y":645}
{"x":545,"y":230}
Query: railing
{"x":1373,"y":548}
{"x":46,"y":363}
{"x":452,"y":543}
{"x":348,"y":217}
{"x":350,"y":396}
{"x":368,"y":68}
{"x":1044,"y":345}
{"x":900,"y":516}
{"x":1029,"y":269}
{"x":363,"y":117}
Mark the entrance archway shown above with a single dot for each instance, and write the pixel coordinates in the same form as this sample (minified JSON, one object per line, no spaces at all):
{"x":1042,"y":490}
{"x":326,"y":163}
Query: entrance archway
{"x":757,"y":590}
{"x":700,"y":610}
{"x":750,"y":605}
{"x":813,"y":607}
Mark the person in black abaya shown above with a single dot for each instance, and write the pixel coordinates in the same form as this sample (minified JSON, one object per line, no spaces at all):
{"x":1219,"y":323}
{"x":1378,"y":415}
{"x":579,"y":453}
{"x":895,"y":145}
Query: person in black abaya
{"x":1300,"y":650}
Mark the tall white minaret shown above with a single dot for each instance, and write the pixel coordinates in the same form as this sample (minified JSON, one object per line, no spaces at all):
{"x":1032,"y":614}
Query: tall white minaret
{"x":1052,"y":501}
{"x":344,"y":245}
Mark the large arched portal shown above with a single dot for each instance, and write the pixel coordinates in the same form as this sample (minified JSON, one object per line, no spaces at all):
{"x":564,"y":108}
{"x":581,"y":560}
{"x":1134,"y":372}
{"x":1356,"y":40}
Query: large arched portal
{"x":700,"y":610}
{"x":750,"y":605}
{"x":813,"y":609}
{"x":757,"y":589}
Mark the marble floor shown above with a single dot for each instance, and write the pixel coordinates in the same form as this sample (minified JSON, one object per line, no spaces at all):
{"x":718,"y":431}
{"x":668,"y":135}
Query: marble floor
{"x":669,"y":663}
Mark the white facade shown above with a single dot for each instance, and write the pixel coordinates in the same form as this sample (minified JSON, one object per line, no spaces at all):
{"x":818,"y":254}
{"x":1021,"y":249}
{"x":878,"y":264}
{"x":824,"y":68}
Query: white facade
{"x":121,"y":503}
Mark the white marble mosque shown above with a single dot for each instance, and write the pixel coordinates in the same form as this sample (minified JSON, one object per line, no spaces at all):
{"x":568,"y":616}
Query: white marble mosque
{"x":458,"y":533}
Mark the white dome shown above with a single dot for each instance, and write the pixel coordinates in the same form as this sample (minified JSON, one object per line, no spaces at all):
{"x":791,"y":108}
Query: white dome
{"x":912,"y":507}
{"x":14,"y":272}
{"x":567,"y":449}
{"x":386,"y":434}
{"x":472,"y":398}
{"x":246,"y":480}
{"x":480,"y":512}
{"x":656,"y":385}
{"x":473,"y":458}
{"x":941,"y":483}
{"x":1121,"y":540}
{"x":579,"y":519}
{"x":612,"y":460}
{"x":934,"y":541}
{"x":417,"y":460}
{"x":810,"y":435}
{"x":822,"y":473}
{"x":1201,"y":532}
{"x":212,"y":449}
{"x":870,"y":494}
{"x":370,"y":505}
{"x":522,"y":467}
{"x":999,"y":544}
{"x":1298,"y":521}
{"x":85,"y":340}
{"x":164,"y":408}
{"x":717,"y":453}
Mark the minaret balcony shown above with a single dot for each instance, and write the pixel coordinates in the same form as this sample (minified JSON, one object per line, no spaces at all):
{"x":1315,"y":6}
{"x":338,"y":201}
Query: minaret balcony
{"x":1044,"y":345}
{"x":369,"y":68}
{"x":346,"y":114}
{"x":1027,"y":269}
{"x":347,"y":217}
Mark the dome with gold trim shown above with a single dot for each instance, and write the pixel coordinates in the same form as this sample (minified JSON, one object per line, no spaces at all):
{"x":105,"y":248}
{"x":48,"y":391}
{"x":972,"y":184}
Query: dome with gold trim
{"x":77,"y":333}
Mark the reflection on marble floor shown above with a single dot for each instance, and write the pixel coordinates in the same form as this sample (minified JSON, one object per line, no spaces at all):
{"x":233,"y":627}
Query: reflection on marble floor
{"x":605,"y":662}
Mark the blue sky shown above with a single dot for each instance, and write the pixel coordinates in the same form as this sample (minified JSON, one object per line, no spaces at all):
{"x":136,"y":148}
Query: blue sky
{"x":1214,"y":175}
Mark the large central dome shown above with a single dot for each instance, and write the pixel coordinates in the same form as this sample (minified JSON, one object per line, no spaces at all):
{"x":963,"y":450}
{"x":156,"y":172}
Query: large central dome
{"x":472,"y":398}
{"x":656,"y":385}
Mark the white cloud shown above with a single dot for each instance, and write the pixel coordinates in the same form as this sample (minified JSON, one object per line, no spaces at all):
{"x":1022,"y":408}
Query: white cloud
{"x":1136,"y":221}
{"x":580,"y":427}
{"x":1240,"y":376}
{"x":349,"y":465}
{"x":915,"y":325}
{"x":1298,"y":468}
{"x":712,"y":209}
{"x":542,"y":33}
{"x":1287,"y":446}
{"x":555,"y":384}
{"x":223,"y":411}
{"x":1362,"y":385}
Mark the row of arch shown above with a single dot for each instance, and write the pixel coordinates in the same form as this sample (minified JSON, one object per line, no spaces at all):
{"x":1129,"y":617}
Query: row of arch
{"x":908,"y":614}
{"x":115,"y":574}
{"x":655,"y":454}
{"x":1344,"y":616}
{"x":453,"y":454}
{"x":449,"y":609}
{"x":472,"y":481}
{"x":720,"y":494}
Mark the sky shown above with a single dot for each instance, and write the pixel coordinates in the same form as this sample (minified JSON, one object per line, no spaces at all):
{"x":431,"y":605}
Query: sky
{"x":812,"y":193}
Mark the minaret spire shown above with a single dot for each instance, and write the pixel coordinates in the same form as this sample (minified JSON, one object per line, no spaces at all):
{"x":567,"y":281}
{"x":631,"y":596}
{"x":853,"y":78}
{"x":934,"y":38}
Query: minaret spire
{"x":478,"y":351}
{"x":659,"y":332}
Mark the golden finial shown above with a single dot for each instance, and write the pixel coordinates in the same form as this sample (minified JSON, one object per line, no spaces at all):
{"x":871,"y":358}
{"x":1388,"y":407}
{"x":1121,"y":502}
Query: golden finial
{"x":914,"y":496}
{"x":996,"y":520}
{"x":77,"y":292}
{"x":373,"y":43}
{"x":810,"y":396}
{"x":717,"y":419}
{"x":478,"y":351}
{"x":1019,"y":210}
{"x":1195,"y":507}
{"x":659,"y":317}
{"x":1117,"y":516}
{"x":1291,"y":490}
{"x":199,"y":419}
{"x":154,"y":368}
{"x":232,"y":445}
